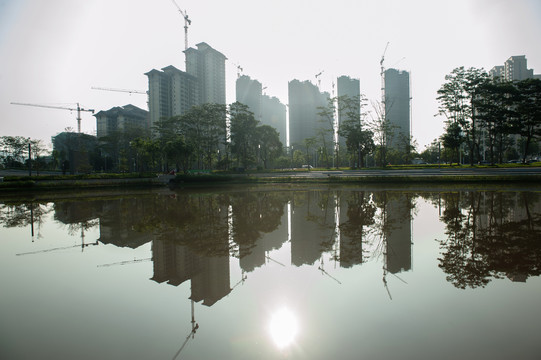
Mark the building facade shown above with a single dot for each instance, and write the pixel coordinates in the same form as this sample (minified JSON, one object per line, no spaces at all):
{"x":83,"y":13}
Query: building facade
{"x":397,"y":106}
{"x":208,"y":66}
{"x":268,"y":110}
{"x":121,"y":118}
{"x":351,"y":88}
{"x":173,"y":92}
{"x":304,"y":100}
{"x":274,"y":114}
{"x":249,"y":92}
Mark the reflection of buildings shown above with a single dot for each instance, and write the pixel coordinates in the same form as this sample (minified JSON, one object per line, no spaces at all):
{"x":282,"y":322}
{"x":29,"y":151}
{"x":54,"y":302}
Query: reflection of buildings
{"x":209,"y":275}
{"x":252,"y":258}
{"x":118,"y":221}
{"x":312,"y":226}
{"x":398,"y":236}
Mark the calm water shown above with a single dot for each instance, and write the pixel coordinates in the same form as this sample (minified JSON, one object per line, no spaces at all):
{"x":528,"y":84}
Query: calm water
{"x":263,"y":273}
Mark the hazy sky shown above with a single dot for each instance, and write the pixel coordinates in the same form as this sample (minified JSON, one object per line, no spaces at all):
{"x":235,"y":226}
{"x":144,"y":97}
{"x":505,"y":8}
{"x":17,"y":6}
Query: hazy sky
{"x":53,"y":51}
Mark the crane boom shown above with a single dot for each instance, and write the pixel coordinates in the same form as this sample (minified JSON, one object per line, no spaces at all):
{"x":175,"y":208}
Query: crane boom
{"x":119,"y":90}
{"x":78,"y":109}
{"x":186,"y":23}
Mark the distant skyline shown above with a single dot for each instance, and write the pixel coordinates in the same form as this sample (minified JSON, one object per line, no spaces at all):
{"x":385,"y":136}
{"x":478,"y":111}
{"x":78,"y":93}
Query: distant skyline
{"x":53,"y":52}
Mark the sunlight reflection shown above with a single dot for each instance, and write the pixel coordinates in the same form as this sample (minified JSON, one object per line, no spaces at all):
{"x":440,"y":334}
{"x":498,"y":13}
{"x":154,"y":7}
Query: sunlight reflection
{"x":283,"y":327}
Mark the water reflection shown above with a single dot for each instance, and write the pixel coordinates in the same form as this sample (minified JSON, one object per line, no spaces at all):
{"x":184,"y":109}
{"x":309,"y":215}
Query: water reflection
{"x":283,"y":327}
{"x":196,"y":237}
{"x":490,"y":235}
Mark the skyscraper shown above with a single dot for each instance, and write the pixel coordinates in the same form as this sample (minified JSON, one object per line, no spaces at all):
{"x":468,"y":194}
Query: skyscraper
{"x":249,"y":93}
{"x":208,"y":66}
{"x":516,"y":68}
{"x":304,"y":99}
{"x":351,"y":88}
{"x":173,"y":91}
{"x":273,"y":113}
{"x":397,"y":105}
{"x":170,"y":92}
{"x":268,"y":110}
{"x":121,"y":118}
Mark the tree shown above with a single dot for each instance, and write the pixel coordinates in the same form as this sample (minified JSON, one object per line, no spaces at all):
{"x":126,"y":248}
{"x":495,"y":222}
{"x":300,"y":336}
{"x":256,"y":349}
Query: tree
{"x":382,"y":129}
{"x":244,"y":140}
{"x":456,"y":97}
{"x":528,"y":122}
{"x":147,"y":150}
{"x":325,"y":132}
{"x":204,"y":128}
{"x":494,"y":107}
{"x":16,"y":148}
{"x":270,"y":147}
{"x":452,"y":139}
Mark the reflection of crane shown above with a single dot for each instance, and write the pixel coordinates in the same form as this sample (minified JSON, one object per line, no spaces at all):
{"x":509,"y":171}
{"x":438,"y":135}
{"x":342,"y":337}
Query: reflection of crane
{"x":82,"y":246}
{"x":119,"y":90}
{"x":126,"y":262}
{"x":191,"y":334}
{"x":78,"y":108}
{"x":241,"y":281}
{"x":321,"y":267}
{"x":271,"y":259}
{"x":186,"y":23}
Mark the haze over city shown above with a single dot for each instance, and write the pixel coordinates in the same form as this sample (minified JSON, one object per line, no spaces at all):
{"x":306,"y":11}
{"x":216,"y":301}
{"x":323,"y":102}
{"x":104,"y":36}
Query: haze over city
{"x":53,"y":52}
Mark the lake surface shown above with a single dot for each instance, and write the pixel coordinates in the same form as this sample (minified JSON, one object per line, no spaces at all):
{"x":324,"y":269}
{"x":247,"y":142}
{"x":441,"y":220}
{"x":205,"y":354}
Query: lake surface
{"x":272,"y":273}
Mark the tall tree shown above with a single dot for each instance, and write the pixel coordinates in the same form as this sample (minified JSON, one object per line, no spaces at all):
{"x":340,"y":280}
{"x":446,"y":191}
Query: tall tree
{"x":204,"y":127}
{"x":452,"y":139}
{"x":528,"y":122}
{"x":243,"y":134}
{"x":456,"y":97}
{"x":494,"y":107}
{"x":270,"y":147}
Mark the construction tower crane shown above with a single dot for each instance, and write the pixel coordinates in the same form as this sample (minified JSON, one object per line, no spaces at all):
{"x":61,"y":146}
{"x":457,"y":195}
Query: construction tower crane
{"x":318,"y":79}
{"x":78,"y":108}
{"x":120,"y":90}
{"x":186,"y":23}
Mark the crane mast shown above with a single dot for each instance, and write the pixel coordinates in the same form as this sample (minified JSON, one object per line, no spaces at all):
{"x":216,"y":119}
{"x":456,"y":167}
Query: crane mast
{"x":78,"y":109}
{"x":187,"y":22}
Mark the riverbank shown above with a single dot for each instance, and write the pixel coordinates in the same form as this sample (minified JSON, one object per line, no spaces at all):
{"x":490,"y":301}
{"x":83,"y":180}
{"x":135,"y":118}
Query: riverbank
{"x":522,"y":175}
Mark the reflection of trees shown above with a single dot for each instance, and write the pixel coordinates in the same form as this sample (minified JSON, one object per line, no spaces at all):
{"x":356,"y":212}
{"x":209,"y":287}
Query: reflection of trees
{"x":255,"y":213}
{"x":360,"y":216}
{"x":490,"y":235}
{"x":24,"y":214}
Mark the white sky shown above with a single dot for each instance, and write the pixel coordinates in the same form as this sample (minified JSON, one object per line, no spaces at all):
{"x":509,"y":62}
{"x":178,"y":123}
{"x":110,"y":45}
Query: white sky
{"x":53,"y":51}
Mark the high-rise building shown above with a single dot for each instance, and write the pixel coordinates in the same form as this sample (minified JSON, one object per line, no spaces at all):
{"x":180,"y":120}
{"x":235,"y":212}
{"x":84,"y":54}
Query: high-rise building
{"x":516,"y":68}
{"x":173,"y":92}
{"x":497,"y":72}
{"x":208,"y":66}
{"x":397,"y":105}
{"x":268,"y":110}
{"x":249,"y":93}
{"x":304,"y":100}
{"x":273,"y":113}
{"x":121,"y":118}
{"x":351,"y":88}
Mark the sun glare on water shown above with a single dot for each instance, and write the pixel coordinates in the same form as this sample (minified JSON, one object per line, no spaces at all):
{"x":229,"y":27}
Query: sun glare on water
{"x":283,"y":327}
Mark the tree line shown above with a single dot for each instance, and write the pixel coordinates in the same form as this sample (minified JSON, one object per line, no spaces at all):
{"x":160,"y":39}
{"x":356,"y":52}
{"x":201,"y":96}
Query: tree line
{"x":489,"y":117}
{"x":486,"y":118}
